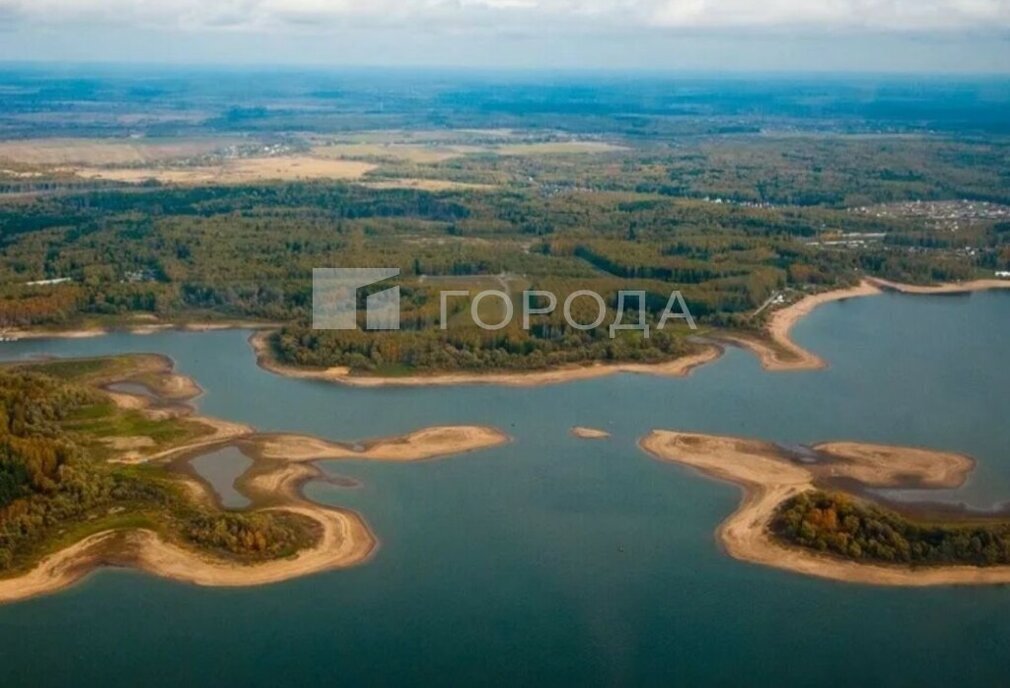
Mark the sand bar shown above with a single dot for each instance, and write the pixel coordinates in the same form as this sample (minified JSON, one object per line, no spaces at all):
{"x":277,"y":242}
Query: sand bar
{"x":768,"y":477}
{"x":589,"y":433}
{"x":946,"y":288}
{"x":427,"y":443}
{"x":144,"y":329}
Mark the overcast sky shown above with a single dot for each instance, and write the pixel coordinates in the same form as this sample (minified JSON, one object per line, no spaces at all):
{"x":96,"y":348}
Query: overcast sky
{"x":861,"y":35}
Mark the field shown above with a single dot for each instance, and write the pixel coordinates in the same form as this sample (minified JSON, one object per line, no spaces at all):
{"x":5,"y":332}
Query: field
{"x":240,"y":171}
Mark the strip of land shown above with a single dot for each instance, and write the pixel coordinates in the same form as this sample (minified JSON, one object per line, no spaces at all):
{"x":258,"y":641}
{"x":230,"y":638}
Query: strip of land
{"x":89,"y":331}
{"x":589,"y":433}
{"x":680,"y":367}
{"x":773,"y":345}
{"x":768,"y":477}
{"x":433,"y":442}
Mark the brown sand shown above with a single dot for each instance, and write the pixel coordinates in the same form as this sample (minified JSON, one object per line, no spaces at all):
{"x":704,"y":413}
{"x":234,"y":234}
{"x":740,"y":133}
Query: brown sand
{"x":589,"y":433}
{"x":947,"y":288}
{"x":768,"y":478}
{"x":427,"y":443}
{"x":95,"y":331}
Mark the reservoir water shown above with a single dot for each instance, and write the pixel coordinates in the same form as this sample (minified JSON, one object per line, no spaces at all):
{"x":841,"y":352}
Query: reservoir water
{"x":555,"y":560}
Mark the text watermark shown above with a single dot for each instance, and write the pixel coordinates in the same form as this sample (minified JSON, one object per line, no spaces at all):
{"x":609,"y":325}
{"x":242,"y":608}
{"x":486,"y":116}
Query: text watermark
{"x":335,"y":305}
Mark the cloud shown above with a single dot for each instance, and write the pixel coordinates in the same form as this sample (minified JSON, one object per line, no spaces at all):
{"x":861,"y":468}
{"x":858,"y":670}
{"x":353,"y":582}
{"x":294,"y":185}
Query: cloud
{"x":521,"y":15}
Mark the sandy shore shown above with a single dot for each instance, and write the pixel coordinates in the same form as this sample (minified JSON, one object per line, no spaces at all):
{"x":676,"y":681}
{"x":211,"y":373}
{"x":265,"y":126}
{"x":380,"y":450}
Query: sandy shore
{"x":946,"y":288}
{"x":780,"y":353}
{"x":428,"y":443}
{"x":679,"y":367}
{"x":767,"y":477}
{"x":589,"y":433}
{"x":142,"y":329}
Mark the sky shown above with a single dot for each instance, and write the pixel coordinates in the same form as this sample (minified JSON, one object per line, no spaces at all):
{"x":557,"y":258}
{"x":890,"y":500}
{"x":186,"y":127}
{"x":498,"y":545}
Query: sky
{"x":736,"y":35}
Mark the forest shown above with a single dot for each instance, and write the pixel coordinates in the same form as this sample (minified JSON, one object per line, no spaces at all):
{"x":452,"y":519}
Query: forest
{"x":844,"y":526}
{"x":55,"y":482}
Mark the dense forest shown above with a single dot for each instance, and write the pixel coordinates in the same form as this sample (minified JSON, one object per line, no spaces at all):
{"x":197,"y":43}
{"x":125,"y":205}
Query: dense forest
{"x":248,"y":252}
{"x":54,"y":482}
{"x":842,"y":525}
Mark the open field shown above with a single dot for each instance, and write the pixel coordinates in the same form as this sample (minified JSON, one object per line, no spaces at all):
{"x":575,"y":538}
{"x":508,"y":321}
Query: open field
{"x":238,"y":171}
{"x":94,"y":152}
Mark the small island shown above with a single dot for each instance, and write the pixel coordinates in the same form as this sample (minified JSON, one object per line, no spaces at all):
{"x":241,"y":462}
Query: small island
{"x":585,"y":433}
{"x":95,"y":471}
{"x":807,"y":510}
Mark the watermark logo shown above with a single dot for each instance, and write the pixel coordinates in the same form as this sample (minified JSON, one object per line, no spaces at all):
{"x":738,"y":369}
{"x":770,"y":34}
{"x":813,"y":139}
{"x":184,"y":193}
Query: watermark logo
{"x":335,"y":299}
{"x":335,"y":305}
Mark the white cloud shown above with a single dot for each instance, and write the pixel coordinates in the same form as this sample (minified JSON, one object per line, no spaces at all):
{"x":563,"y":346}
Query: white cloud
{"x":525,"y":15}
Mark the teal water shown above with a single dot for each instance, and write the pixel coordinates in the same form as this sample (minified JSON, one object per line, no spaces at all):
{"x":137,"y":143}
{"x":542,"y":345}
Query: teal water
{"x":221,"y":468}
{"x":554,"y":560}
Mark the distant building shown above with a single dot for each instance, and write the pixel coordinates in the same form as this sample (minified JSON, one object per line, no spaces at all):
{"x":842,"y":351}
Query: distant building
{"x":1003,"y":274}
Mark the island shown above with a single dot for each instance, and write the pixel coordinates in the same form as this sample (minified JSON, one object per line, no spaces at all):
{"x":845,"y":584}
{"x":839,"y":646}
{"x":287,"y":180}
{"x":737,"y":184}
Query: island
{"x":808,"y":510}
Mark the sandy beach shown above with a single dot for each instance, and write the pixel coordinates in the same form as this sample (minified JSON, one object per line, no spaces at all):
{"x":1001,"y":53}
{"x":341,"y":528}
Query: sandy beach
{"x":946,"y":288}
{"x":779,"y":352}
{"x":427,"y":443}
{"x":146,"y":328}
{"x":767,"y":477}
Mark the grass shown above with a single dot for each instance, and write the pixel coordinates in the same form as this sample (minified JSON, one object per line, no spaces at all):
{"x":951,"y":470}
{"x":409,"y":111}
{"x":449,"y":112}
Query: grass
{"x":105,"y":419}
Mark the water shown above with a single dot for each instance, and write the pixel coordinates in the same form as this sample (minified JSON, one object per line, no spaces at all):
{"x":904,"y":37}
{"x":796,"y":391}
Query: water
{"x":555,"y":560}
{"x":221,"y":468}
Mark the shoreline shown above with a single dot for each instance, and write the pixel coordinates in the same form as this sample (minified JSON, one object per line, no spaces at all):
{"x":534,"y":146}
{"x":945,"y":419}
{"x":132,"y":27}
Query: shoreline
{"x":781,"y":354}
{"x":142,"y":328}
{"x":282,"y":464}
{"x":766,"y":478}
{"x":775,"y":350}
